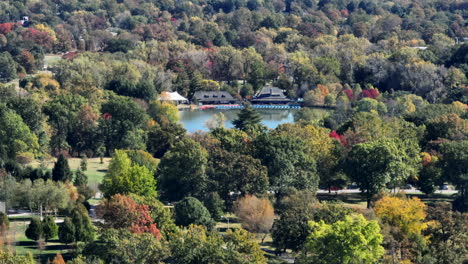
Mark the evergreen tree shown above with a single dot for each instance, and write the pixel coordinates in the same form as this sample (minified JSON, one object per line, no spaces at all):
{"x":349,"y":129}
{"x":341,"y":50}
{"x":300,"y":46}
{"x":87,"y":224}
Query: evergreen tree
{"x":61,"y":171}
{"x":49,"y":228}
{"x":84,"y":163}
{"x":248,"y":118}
{"x":34,"y":230}
{"x":66,"y":231}
{"x":215,"y":205}
{"x":81,"y":179}
{"x":84,"y":230}
{"x":191,"y":211}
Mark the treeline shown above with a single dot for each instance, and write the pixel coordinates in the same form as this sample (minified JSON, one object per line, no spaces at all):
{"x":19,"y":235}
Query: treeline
{"x":296,"y":45}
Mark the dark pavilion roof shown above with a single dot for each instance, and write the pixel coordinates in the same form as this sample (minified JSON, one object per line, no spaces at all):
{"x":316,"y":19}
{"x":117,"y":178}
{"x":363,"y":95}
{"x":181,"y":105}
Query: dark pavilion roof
{"x":270,"y":94}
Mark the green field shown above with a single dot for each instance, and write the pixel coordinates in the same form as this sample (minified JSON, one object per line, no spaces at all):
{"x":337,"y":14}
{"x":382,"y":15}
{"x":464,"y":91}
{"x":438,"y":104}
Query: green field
{"x":95,"y":171}
{"x":41,"y":251}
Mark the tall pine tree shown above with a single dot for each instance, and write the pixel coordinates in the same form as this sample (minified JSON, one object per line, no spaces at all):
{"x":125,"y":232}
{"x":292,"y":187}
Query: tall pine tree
{"x":248,"y":119}
{"x":61,"y":171}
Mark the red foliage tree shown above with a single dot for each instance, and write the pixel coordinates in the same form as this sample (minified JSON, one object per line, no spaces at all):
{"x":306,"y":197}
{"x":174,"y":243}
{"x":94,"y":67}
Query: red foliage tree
{"x":38,"y":37}
{"x":144,"y":222}
{"x":369,"y":93}
{"x":6,"y":28}
{"x":349,"y":93}
{"x":338,"y":137}
{"x":121,"y":211}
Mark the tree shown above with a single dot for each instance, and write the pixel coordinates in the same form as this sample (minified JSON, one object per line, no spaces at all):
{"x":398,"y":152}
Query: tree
{"x":121,"y":125}
{"x":50,"y":228}
{"x":35,"y":229}
{"x":182,"y":171}
{"x":295,"y":210}
{"x":373,"y":164}
{"x":402,"y":222}
{"x":67,"y":231}
{"x":123,"y":246}
{"x":215,"y":205}
{"x":353,"y":240}
{"x":406,"y":214}
{"x":7,"y":67}
{"x":81,"y":179}
{"x":58,"y":259}
{"x":256,"y":215}
{"x":455,"y":156}
{"x":163,"y":137}
{"x":163,"y":112}
{"x":191,"y":211}
{"x":84,"y":229}
{"x":16,"y":137}
{"x":232,"y":174}
{"x":195,"y":245}
{"x":124,"y":177}
{"x":288,"y":162}
{"x":448,"y":234}
{"x":8,"y":257}
{"x":84,"y":163}
{"x":248,"y":119}
{"x":61,"y":170}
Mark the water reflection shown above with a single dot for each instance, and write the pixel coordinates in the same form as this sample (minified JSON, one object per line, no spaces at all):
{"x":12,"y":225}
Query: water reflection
{"x":197,"y":119}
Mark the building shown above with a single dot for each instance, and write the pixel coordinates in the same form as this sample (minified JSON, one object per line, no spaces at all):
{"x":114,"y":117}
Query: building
{"x":270,"y":95}
{"x":213,"y":97}
{"x":174,"y":97}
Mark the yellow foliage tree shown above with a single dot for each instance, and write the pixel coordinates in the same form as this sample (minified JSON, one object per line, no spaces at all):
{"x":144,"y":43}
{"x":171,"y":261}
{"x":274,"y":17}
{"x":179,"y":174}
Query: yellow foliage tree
{"x":406,"y":214}
{"x":48,"y":30}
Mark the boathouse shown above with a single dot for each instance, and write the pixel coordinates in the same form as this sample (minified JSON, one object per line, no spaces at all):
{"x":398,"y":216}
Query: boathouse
{"x":270,"y":95}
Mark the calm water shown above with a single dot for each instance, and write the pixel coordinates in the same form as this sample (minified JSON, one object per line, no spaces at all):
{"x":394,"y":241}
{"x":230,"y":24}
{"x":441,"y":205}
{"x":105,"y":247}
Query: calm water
{"x":197,"y":119}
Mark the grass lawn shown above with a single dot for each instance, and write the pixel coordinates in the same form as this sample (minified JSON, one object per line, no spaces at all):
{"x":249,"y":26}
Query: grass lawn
{"x":95,"y":171}
{"x":23,"y":245}
{"x":51,"y":59}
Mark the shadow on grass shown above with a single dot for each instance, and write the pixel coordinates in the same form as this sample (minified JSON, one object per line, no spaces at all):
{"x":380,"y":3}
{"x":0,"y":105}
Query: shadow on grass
{"x":102,"y":171}
{"x":28,"y":244}
{"x":19,"y":219}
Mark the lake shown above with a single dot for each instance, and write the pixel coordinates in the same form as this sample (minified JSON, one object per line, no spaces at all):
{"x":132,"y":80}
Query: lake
{"x":194,"y":120}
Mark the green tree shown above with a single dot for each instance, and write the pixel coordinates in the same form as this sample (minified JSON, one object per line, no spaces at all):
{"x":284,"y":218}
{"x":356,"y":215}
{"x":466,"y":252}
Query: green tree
{"x":84,"y":163}
{"x":61,"y":170}
{"x":66,"y":232}
{"x":195,"y":245}
{"x":454,"y":169}
{"x":50,"y":228}
{"x":230,"y":172}
{"x":288,"y":161}
{"x":182,"y":171}
{"x":122,"y":246}
{"x":124,"y":177}
{"x":353,"y":240}
{"x":35,"y":229}
{"x":163,"y":112}
{"x":448,"y":234}
{"x":15,"y":135}
{"x":7,"y":67}
{"x":374,"y":164}
{"x":84,"y":229}
{"x":191,"y":211}
{"x":248,"y":119}
{"x":215,"y":205}
{"x":81,"y":179}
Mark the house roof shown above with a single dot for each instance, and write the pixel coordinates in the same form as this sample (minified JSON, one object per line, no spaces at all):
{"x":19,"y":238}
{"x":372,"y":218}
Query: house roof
{"x":171,"y":96}
{"x":213,"y":96}
{"x":269,"y":92}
